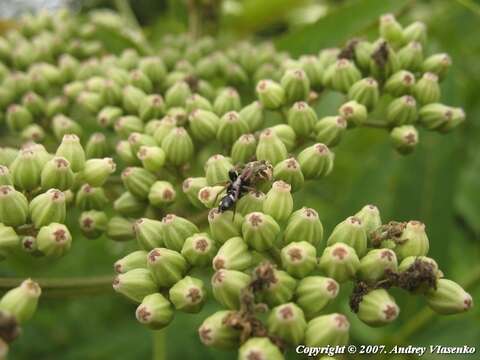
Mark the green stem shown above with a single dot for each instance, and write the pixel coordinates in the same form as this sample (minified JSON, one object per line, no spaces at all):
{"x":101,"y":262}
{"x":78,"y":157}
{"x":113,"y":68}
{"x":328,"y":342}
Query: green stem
{"x":123,"y":7}
{"x":159,"y":345}
{"x":375,"y":124}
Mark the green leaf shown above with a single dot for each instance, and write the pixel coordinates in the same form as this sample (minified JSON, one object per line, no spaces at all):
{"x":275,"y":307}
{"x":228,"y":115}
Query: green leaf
{"x":338,"y":26}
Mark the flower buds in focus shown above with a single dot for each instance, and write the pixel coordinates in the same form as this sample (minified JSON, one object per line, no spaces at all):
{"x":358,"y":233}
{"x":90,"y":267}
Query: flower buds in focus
{"x":324,"y":330}
{"x":21,"y":302}
{"x":377,"y":308}
{"x":188,"y":295}
{"x":154,"y":311}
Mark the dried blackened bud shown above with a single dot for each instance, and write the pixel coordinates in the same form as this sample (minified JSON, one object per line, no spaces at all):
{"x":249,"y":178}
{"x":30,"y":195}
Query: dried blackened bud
{"x":227,"y":286}
{"x":313,"y":293}
{"x":377,"y":308}
{"x":188,"y":295}
{"x":233,"y":255}
{"x":135,"y":284}
{"x":325,"y":330}
{"x":449,"y":298}
{"x":299,"y":258}
{"x":154,"y":311}
{"x":340,"y":262}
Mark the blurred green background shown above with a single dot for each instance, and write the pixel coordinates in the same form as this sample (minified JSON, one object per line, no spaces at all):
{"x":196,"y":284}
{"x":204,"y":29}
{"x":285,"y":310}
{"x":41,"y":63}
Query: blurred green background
{"x":439,"y":185}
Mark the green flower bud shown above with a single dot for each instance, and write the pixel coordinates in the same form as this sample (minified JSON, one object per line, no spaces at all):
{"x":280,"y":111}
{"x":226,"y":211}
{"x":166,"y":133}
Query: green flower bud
{"x":227,"y":285}
{"x":152,"y":157}
{"x":128,"y":59}
{"x":377,"y":308}
{"x":90,"y":101}
{"x":138,"y":140}
{"x":13,"y":206}
{"x":191,"y":187}
{"x":34,"y":104}
{"x":47,"y":208}
{"x":314,"y":70}
{"x":287,"y":321}
{"x":416,"y":31}
{"x":138,"y":181}
{"x":132,"y":98}
{"x":178,"y":146}
{"x":93,"y":223}
{"x":188,"y":295}
{"x":9,"y":240}
{"x":437,"y":64}
{"x":167,"y":266}
{"x":63,"y":125}
{"x":271,"y":94}
{"x":135,"y":284}
{"x":316,"y":161}
{"x":57,"y":173}
{"x":97,"y":146}
{"x":327,"y":330}
{"x":374,"y":264}
{"x":177,"y":94}
{"x":330,"y":129}
{"x":286,"y":134}
{"x":296,"y":85}
{"x":120,"y":229}
{"x":253,"y":115}
{"x":154,"y":311}
{"x":441,"y":117}
{"x":243,"y":149}
{"x":391,"y":30}
{"x":449,"y":298}
{"x":353,"y":112}
{"x":109,"y":116}
{"x":54,"y":240}
{"x":365,"y":92}
{"x":134,"y":260}
{"x":129,"y":205}
{"x":226,"y":101}
{"x":233,"y":255}
{"x":260,"y":348}
{"x":279,"y":201}
{"x":427,"y":89}
{"x":21,"y":302}
{"x":402,"y":110}
{"x":260,"y":231}
{"x":216,"y":333}
{"x":369,"y":215}
{"x":154,"y":68}
{"x":299,"y":258}
{"x":203,"y":124}
{"x":57,"y":105}
{"x":149,"y":233}
{"x":7,"y":155}
{"x":71,"y":149}
{"x":314,"y":293}
{"x":175,"y":230}
{"x":223,"y":225}
{"x":411,"y":56}
{"x":304,"y":224}
{"x":290,"y":172}
{"x":363,"y":54}
{"x":352,"y":232}
{"x":230,"y":127}
{"x":344,"y":75}
{"x":33,"y":133}
{"x":111,"y":92}
{"x":5,"y":176}
{"x":161,"y":194}
{"x":140,"y":80}
{"x":410,"y":260}
{"x":404,"y":138}
{"x":29,"y":245}
{"x":217,"y":168}
{"x":18,"y":117}
{"x":151,"y":107}
{"x":198,"y":102}
{"x":199,"y":249}
{"x":26,"y":170}
{"x":400,"y":83}
{"x":91,"y":198}
{"x":328,"y":56}
{"x":340,"y":262}
{"x":302,"y":118}
{"x":270,"y":147}
{"x":250,"y":202}
{"x":97,"y":171}
{"x":413,"y":241}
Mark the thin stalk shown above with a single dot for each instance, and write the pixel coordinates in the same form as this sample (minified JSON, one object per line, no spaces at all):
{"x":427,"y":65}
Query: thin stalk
{"x":124,"y":8}
{"x":375,"y":124}
{"x":159,"y":345}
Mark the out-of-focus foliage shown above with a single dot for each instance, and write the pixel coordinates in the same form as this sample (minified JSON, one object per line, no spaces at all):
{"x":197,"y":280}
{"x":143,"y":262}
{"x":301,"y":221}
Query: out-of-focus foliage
{"x":438,"y":185}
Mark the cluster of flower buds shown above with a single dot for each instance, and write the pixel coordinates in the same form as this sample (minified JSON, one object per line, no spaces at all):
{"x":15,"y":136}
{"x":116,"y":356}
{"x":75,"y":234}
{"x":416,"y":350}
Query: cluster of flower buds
{"x":210,"y":144}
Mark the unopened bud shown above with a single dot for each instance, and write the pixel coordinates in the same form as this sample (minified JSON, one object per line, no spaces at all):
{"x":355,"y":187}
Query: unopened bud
{"x":286,"y":134}
{"x":54,"y":240}
{"x":339,"y":261}
{"x":377,"y":308}
{"x":71,"y":149}
{"x":253,"y":115}
{"x":449,"y":298}
{"x":231,"y":127}
{"x":135,"y":284}
{"x":416,"y":31}
{"x":375,"y":263}
{"x":427,"y":89}
{"x":404,"y":138}
{"x":216,"y":333}
{"x":154,"y":311}
{"x":199,"y":249}
{"x":260,"y":231}
{"x":138,"y":181}
{"x":279,"y":201}
{"x":391,"y":30}
{"x":191,"y":187}
{"x":18,"y":117}
{"x":437,"y":64}
{"x":233,"y":255}
{"x":21,"y":302}
{"x":178,"y":146}
{"x":271,"y":148}
{"x":260,"y":348}
{"x":227,"y":100}
{"x":313,"y":293}
{"x":149,"y":233}
{"x":151,"y":107}
{"x":175,"y":230}
{"x":243,"y":149}
{"x":325,"y":330}
{"x":304,"y":224}
{"x":352,"y":232}
{"x":299,"y":258}
{"x":287,"y":321}
{"x":441,"y":117}
{"x":223,"y":225}
{"x":353,"y":112}
{"x":161,"y":194}
{"x":413,"y":241}
{"x":96,"y":146}
{"x":26,"y":170}
{"x":316,"y":161}
{"x":97,"y":171}
{"x":217,"y":169}
{"x":400,"y":83}
{"x":203,"y":124}
{"x":227,"y":286}
{"x":63,"y":125}
{"x":188,"y":295}
{"x":302,"y":118}
{"x":109,"y":116}
{"x":47,"y":208}
{"x":9,"y":240}
{"x":152,"y":157}
{"x":290,"y":172}
{"x":402,"y":110}
{"x":270,"y":94}
{"x":120,"y":229}
{"x":370,"y":217}
{"x":89,"y":198}
{"x":177,"y":94}
{"x":134,"y":260}
{"x":365,"y":92}
{"x":167,"y":266}
{"x":344,"y":74}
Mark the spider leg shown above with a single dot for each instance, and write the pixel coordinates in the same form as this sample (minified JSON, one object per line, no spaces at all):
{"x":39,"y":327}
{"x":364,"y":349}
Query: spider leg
{"x":218,"y":194}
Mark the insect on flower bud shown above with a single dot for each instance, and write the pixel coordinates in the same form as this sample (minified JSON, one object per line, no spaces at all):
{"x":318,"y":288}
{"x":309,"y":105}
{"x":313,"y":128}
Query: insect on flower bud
{"x":330,"y":129}
{"x":188,"y":295}
{"x":304,"y":224}
{"x":71,"y":149}
{"x":216,"y":333}
{"x":313,"y":293}
{"x":21,"y":302}
{"x":167,"y":266}
{"x":299,"y":258}
{"x":374,"y":264}
{"x":154,"y":311}
{"x":402,"y":110}
{"x":54,"y":240}
{"x":191,"y":187}
{"x":413,"y":241}
{"x":352,"y":232}
{"x":260,"y":231}
{"x":324,"y":330}
{"x":178,"y":146}
{"x":353,"y":112}
{"x":120,"y":229}
{"x":199,"y":249}
{"x":340,"y":262}
{"x":48,"y":207}
{"x":271,"y":148}
{"x":427,"y":89}
{"x":279,"y":201}
{"x":233,"y":255}
{"x":253,"y":115}
{"x":391,"y":30}
{"x":138,"y":181}
{"x":365,"y":92}
{"x":227,"y":286}
{"x":316,"y":161}
{"x":93,"y":223}
{"x":260,"y":348}
{"x":149,"y":233}
{"x":302,"y":118}
{"x":287,"y":321}
{"x":449,"y":298}
{"x":377,"y":308}
{"x":270,"y":94}
{"x":135,"y":284}
{"x":175,"y":230}
{"x":161,"y":194}
{"x":134,"y":260}
{"x":223,"y":225}
{"x":243,"y":149}
{"x":290,"y":172}
{"x":203,"y":124}
{"x":404,"y":138}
